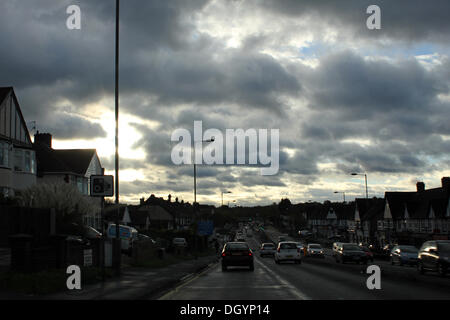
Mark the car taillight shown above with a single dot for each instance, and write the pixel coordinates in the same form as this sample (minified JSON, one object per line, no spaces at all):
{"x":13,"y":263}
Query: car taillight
{"x":278,"y":250}
{"x":223,"y":254}
{"x":250,"y":253}
{"x":298,"y":250}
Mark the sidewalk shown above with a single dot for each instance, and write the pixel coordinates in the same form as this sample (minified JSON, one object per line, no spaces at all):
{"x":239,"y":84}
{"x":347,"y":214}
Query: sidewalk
{"x":134,"y":283}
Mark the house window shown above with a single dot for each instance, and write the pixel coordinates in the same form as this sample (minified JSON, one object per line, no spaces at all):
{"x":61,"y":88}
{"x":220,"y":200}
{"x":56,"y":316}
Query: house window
{"x":4,"y":154}
{"x":24,"y":161}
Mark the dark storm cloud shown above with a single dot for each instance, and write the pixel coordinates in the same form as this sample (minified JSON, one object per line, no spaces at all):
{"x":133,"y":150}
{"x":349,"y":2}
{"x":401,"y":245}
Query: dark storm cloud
{"x":404,"y":20}
{"x":361,"y":88}
{"x":68,"y":127}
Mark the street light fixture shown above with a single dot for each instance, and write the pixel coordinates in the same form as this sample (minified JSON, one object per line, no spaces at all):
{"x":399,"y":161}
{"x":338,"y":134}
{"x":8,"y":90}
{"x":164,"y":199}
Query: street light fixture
{"x":365,"y":177}
{"x":341,"y":192}
{"x":222,"y":195}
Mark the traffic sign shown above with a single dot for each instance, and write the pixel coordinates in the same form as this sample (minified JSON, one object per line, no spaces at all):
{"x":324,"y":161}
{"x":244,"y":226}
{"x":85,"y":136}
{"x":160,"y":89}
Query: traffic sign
{"x":102,"y":186}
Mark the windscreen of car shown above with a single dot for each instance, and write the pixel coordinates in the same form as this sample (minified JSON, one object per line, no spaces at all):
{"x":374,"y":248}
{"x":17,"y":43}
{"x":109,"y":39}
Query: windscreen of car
{"x":315,"y":246}
{"x":444,"y":247}
{"x":408,"y":249}
{"x":351,"y":247}
{"x":268,"y":246}
{"x":288,"y":246}
{"x":237,"y":246}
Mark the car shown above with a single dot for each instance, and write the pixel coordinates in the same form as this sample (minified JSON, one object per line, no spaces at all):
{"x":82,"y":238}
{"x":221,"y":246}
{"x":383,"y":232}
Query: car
{"x":434,"y":256}
{"x":403,"y":254}
{"x":351,"y":252}
{"x":179,"y":242}
{"x":288,"y":251}
{"x":336,"y":246}
{"x":127,"y":234}
{"x":144,"y":237}
{"x":301,"y":246}
{"x":368,"y":252}
{"x":315,"y":250}
{"x":386,"y":251}
{"x":237,"y":254}
{"x":267,"y":249}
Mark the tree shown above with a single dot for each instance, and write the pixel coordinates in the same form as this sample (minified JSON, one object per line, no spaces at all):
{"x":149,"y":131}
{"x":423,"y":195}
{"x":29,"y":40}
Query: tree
{"x":284,"y":205}
{"x":70,"y":205}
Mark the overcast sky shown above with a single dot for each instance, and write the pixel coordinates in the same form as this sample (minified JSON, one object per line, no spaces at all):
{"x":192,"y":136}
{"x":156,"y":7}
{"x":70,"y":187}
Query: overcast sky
{"x":344,"y":97}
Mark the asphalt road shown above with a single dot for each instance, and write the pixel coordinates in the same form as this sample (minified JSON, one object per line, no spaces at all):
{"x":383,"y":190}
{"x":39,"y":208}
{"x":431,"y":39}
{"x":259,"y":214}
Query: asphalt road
{"x":321,"y":279}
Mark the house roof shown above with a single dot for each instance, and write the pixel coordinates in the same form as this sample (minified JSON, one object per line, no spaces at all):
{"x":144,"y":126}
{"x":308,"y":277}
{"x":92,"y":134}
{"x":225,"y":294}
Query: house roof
{"x":156,"y":213}
{"x":417,"y":203}
{"x":370,"y":208}
{"x":4,"y":92}
{"x":63,"y":161}
{"x":21,"y":141}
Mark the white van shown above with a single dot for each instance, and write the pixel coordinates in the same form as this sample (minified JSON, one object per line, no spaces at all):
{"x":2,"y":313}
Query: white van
{"x":128,"y":235}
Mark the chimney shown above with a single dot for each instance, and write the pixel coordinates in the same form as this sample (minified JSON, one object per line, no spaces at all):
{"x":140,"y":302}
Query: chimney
{"x":142,"y":200}
{"x":176,"y":199}
{"x":44,"y":139}
{"x":446,"y":184}
{"x":170,"y":198}
{"x":420,"y":187}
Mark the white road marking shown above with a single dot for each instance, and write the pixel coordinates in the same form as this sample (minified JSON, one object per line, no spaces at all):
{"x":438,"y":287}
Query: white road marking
{"x":294,"y":291}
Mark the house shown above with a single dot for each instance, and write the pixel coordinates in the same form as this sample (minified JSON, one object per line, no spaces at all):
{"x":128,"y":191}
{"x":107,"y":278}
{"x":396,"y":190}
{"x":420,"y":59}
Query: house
{"x":68,"y":166}
{"x":17,"y":157}
{"x":363,"y":227}
{"x":414,"y":217}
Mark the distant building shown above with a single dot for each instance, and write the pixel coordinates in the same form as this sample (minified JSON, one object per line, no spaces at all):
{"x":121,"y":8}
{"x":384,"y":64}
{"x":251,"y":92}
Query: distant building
{"x":17,"y":157}
{"x":417,"y":216}
{"x":67,"y":166}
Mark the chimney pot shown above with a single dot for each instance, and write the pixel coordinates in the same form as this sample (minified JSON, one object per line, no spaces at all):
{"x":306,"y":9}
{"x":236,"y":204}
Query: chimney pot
{"x":446,"y":183}
{"x":420,"y":186}
{"x":43,"y":139}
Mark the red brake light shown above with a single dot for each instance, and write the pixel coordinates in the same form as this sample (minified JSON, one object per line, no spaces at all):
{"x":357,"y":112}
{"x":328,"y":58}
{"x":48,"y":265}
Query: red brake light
{"x":223,"y":254}
{"x":250,"y":253}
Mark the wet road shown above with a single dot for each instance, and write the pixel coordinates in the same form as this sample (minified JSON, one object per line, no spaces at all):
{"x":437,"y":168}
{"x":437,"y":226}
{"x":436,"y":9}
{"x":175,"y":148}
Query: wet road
{"x":313,"y":279}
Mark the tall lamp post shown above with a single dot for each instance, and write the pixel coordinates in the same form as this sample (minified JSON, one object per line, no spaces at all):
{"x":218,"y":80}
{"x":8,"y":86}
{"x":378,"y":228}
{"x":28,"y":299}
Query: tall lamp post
{"x":195,"y":194}
{"x":365,"y":177}
{"x":195,"y":172}
{"x":222,"y":195}
{"x":341,"y":192}
{"x":118,"y":241}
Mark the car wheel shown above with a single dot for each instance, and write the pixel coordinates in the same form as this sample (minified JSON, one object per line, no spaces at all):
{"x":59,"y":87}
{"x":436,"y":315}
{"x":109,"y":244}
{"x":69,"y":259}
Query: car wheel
{"x":392,"y":261}
{"x":224,"y":268}
{"x":252,"y":267}
{"x":420,"y":267}
{"x":400,"y":262}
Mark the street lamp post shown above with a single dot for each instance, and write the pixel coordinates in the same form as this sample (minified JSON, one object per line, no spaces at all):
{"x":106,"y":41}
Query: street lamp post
{"x":222,"y":195}
{"x":195,"y":173}
{"x":195,"y":195}
{"x":342,"y":193}
{"x":365,"y":177}
{"x":118,"y":241}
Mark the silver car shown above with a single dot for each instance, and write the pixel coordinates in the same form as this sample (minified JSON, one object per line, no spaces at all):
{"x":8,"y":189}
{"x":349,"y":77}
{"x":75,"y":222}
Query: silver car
{"x":404,"y":255}
{"x":267,"y":249}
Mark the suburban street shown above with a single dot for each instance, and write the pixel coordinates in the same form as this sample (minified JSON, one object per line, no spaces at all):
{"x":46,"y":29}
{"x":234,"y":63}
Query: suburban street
{"x":313,"y":279}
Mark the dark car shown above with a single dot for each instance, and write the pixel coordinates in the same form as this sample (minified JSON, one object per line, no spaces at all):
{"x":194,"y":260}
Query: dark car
{"x":350,"y":252}
{"x":434,"y":256}
{"x":237,"y":254}
{"x":368,"y":252}
{"x":386,"y":251}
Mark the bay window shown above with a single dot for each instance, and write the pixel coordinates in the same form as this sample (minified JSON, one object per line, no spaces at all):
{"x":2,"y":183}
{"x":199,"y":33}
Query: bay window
{"x":4,"y":154}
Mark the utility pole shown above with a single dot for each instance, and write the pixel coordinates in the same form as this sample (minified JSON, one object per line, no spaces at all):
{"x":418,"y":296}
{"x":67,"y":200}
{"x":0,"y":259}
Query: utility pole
{"x":118,"y":240}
